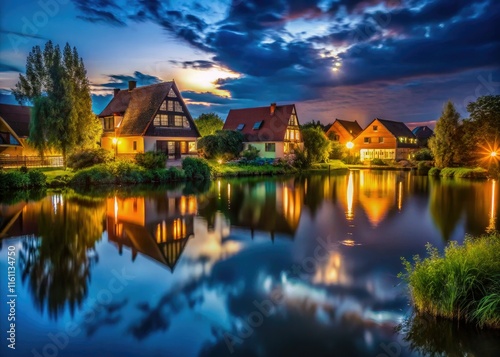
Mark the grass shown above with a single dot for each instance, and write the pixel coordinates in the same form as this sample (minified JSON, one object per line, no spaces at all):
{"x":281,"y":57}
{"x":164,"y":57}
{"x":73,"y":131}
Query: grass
{"x":325,"y":167}
{"x":464,"y":172}
{"x":234,"y":169}
{"x":57,"y":176}
{"x":463,"y":284}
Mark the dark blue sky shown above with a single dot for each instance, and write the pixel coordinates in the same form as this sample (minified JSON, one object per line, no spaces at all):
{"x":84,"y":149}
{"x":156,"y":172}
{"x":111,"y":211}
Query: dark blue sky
{"x":348,"y":59}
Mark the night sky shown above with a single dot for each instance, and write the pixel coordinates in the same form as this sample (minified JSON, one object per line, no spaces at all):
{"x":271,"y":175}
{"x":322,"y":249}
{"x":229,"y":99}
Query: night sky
{"x":347,"y":59}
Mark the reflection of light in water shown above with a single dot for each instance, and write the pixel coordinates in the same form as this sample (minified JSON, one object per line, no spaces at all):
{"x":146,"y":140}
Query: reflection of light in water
{"x":400,"y":195}
{"x":349,"y":243}
{"x":116,"y":209}
{"x":491,"y":225}
{"x":229,"y":195}
{"x":57,"y":200}
{"x":350,"y":196}
{"x":331,"y":272}
{"x":218,"y":188}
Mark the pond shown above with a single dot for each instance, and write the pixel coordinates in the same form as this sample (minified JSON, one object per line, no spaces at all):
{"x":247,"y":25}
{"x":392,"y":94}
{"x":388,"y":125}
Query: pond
{"x":289,"y":266}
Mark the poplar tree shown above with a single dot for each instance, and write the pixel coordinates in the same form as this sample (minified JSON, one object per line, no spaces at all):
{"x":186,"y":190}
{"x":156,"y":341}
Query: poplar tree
{"x":56,"y":84}
{"x":445,"y":144}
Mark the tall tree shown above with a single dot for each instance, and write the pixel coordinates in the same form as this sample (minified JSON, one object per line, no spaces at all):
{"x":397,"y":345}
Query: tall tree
{"x":445,"y":144}
{"x":208,"y":123}
{"x":316,"y":144}
{"x":57,"y":86}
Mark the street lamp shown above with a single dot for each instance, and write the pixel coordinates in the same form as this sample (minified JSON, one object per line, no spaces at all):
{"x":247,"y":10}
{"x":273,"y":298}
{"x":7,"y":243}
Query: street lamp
{"x":349,"y":146}
{"x":493,"y":154}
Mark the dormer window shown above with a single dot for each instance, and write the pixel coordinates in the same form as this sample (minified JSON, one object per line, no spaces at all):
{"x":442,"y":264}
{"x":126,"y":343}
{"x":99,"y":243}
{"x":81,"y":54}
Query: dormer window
{"x":258,"y":125}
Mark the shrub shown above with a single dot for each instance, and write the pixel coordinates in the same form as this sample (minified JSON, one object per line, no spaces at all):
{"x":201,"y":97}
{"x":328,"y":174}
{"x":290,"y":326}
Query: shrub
{"x":434,"y":171}
{"x":151,"y":160}
{"x":337,"y":151}
{"x":379,"y":162}
{"x":196,"y":169}
{"x":423,"y":167}
{"x":423,"y":155}
{"x":225,"y":143}
{"x":89,"y":157}
{"x":13,"y":180}
{"x":251,"y":153}
{"x":176,"y":175}
{"x":37,"y":178}
{"x":301,"y":160}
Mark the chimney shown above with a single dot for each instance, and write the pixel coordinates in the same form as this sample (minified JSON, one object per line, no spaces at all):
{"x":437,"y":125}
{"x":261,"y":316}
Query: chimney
{"x":273,"y":108}
{"x":132,"y":85}
{"x":115,"y":91}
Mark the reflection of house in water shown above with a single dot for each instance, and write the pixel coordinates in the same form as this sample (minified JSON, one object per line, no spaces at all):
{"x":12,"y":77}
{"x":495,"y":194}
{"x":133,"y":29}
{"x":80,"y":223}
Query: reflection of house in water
{"x":377,"y":192}
{"x":157,"y":226}
{"x":267,"y":206}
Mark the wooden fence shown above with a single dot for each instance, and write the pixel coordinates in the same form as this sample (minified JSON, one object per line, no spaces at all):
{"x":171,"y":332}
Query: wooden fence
{"x":31,"y":161}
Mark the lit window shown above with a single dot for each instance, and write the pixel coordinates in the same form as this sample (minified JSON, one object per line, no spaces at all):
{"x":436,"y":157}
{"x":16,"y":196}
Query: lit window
{"x":270,"y":147}
{"x":171,"y":94}
{"x":178,"y":107}
{"x":192,"y":146}
{"x":163,"y":105}
{"x":178,"y":120}
{"x":170,"y":106}
{"x":258,"y":125}
{"x":240,"y":126}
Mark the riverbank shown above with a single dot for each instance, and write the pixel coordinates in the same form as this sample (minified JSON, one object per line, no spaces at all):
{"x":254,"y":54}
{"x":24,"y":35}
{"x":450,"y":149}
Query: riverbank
{"x":460,"y":172}
{"x":463,"y":284}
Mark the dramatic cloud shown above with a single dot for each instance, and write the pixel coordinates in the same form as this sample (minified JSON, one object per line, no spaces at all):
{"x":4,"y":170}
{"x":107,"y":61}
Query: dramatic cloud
{"x":121,"y":80}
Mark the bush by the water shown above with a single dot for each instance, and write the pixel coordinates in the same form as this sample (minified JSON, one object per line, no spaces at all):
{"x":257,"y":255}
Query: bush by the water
{"x":196,"y":169}
{"x":151,"y":160}
{"x":464,"y":172}
{"x":423,"y":155}
{"x":463,"y":284}
{"x":89,"y":157}
{"x":434,"y":171}
{"x":21,"y":179}
{"x":251,"y":153}
{"x":378,"y":162}
{"x":424,"y":167}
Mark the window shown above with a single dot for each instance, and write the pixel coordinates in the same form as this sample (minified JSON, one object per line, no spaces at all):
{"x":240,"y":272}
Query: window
{"x":375,"y":128}
{"x":367,"y":140}
{"x":293,"y":120}
{"x":160,"y":120}
{"x":163,"y":105}
{"x":134,"y":146}
{"x":178,"y":107}
{"x":171,"y":94}
{"x":178,"y":120}
{"x":170,"y":106}
{"x":109,"y":123}
{"x":258,"y":125}
{"x":192,"y":146}
{"x":270,"y":147}
{"x":381,"y":139}
{"x":240,"y":127}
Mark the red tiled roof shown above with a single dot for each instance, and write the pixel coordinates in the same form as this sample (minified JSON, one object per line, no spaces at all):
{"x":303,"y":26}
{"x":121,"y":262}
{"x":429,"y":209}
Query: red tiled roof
{"x":273,"y":126}
{"x":17,"y":117}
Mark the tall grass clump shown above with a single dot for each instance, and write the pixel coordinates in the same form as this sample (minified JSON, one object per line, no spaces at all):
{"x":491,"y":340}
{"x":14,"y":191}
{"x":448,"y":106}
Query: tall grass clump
{"x":434,"y":171}
{"x":463,"y":284}
{"x":464,"y":172}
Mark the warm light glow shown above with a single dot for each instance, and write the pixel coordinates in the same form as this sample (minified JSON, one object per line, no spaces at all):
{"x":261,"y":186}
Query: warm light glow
{"x":205,"y":80}
{"x":349,"y":145}
{"x":400,"y":195}
{"x":493,"y":218}
{"x":493,"y":154}
{"x":115,"y":140}
{"x":350,"y":196}
{"x":219,"y":161}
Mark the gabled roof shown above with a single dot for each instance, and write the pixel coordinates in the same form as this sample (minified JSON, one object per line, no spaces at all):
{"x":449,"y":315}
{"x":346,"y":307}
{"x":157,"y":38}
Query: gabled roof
{"x":422,"y":132}
{"x":351,"y":126}
{"x":139,"y":106}
{"x":272,"y":128}
{"x":396,"y":128}
{"x":17,"y":117}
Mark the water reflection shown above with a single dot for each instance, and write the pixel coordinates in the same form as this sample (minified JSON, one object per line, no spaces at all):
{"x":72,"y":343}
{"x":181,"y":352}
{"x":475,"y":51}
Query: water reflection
{"x":316,"y":257}
{"x":57,"y":257}
{"x":158,"y":225}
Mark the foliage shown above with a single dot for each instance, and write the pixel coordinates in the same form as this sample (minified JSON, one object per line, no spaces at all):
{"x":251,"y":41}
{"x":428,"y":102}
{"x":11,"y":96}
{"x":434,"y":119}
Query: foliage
{"x":20,"y":180}
{"x":338,"y":151}
{"x":378,"y":162}
{"x":151,"y":160}
{"x":462,"y":284}
{"x":301,"y":159}
{"x":57,"y":85}
{"x":88,"y":157}
{"x":196,"y":169}
{"x":208,"y":124}
{"x":424,"y":167}
{"x":423,"y":155}
{"x":313,"y":125}
{"x":316,"y":144}
{"x":464,"y":172}
{"x":225,"y":143}
{"x":434,"y":171}
{"x":445,"y":144}
{"x":251,"y":153}
{"x":258,"y":167}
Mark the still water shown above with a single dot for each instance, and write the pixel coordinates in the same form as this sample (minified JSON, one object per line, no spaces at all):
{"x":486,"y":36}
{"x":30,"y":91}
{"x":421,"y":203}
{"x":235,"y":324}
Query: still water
{"x":256,"y":267}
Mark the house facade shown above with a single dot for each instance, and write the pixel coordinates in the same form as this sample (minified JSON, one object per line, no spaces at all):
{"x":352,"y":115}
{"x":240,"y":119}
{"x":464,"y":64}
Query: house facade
{"x":14,"y":131}
{"x":386,"y":140}
{"x":343,"y":131}
{"x":149,"y":118}
{"x":273,"y":130}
